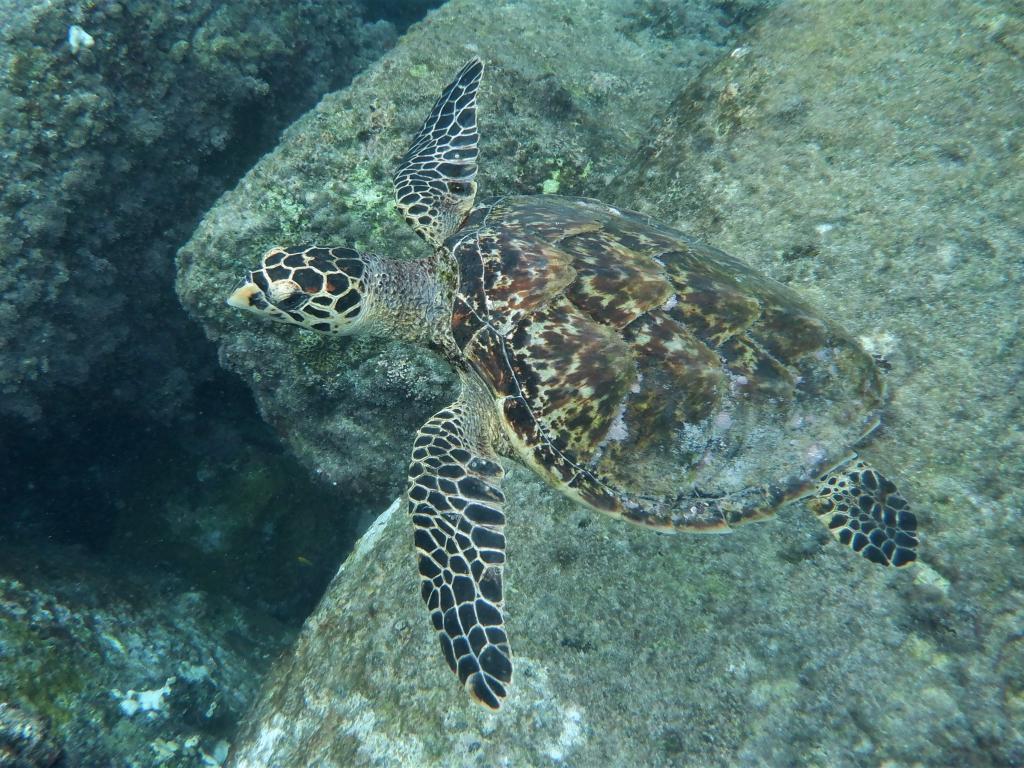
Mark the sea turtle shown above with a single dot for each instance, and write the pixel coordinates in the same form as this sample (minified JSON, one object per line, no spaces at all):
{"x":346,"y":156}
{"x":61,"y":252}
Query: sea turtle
{"x":640,"y":372}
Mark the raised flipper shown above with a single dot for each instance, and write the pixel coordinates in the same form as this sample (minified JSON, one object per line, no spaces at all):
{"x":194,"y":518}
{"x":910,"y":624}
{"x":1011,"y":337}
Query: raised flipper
{"x":434,"y":183}
{"x":457,"y":508}
{"x":863,"y":510}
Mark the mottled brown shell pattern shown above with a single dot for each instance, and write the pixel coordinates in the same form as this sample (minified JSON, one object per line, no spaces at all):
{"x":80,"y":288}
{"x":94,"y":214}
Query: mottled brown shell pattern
{"x":630,"y":362}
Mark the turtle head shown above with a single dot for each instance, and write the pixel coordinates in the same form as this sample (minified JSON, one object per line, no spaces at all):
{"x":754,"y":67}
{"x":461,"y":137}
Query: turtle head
{"x":322,"y":289}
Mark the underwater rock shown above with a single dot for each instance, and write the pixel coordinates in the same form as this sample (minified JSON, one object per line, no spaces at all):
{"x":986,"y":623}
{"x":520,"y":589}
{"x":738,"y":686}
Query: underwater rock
{"x":349,"y":409}
{"x":112,"y":669}
{"x":870,"y":157}
{"x":121,"y":121}
{"x":25,"y":740}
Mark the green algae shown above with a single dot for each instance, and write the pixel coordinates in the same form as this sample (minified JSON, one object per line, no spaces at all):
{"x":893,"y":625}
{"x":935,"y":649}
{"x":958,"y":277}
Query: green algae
{"x":48,"y":683}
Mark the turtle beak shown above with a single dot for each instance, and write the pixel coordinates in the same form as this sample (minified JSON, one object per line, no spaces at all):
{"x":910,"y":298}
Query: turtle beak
{"x":241,"y":297}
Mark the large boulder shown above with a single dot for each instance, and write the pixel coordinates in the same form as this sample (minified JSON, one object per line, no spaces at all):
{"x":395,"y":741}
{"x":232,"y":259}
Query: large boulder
{"x":870,"y":156}
{"x":122,"y":121}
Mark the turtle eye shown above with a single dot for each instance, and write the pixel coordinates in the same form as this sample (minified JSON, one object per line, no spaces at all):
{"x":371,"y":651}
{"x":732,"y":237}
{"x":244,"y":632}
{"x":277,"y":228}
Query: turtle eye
{"x":287,"y":296}
{"x":293,"y":302}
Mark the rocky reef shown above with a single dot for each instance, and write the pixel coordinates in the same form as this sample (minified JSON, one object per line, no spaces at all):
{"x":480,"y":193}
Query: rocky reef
{"x":103,"y":669}
{"x":122,"y":121}
{"x":155,"y":540}
{"x":124,"y":448}
{"x":869,"y":156}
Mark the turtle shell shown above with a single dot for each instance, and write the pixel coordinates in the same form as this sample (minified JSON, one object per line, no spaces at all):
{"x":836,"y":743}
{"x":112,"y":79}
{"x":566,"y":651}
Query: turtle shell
{"x":629,"y":360}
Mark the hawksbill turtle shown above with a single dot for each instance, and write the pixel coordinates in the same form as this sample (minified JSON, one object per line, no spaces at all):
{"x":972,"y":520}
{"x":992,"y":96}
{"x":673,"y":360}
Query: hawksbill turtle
{"x":640,"y":372}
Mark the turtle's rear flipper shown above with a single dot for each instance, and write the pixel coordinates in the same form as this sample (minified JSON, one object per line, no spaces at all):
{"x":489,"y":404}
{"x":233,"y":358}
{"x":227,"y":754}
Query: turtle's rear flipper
{"x":863,"y":510}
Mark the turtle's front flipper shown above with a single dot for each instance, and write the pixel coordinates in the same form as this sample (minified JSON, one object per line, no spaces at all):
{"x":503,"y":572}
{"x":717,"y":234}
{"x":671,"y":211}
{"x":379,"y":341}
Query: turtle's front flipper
{"x":863,"y":509}
{"x":434,"y":183}
{"x":456,"y":504}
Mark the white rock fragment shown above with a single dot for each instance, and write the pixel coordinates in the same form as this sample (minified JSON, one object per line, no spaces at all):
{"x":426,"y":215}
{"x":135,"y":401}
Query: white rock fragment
{"x":881,"y":343}
{"x":570,"y":737}
{"x":78,"y":39}
{"x":153,"y":701}
{"x":928,"y":576}
{"x":193,"y":673}
{"x":163,"y":750}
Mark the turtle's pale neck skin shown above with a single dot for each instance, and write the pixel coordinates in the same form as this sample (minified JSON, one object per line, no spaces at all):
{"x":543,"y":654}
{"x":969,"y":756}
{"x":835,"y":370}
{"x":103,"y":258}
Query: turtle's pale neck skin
{"x":410,"y":300}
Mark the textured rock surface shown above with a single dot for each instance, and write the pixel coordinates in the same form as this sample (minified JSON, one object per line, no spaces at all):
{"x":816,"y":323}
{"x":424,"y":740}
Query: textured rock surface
{"x":112,"y":672}
{"x":349,"y":409}
{"x":871,"y":157}
{"x":121,"y":122}
{"x":25,"y":740}
{"x":112,"y":147}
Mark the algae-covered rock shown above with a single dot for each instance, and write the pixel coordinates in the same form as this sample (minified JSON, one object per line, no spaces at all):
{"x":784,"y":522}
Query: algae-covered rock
{"x":121,"y":121}
{"x":25,"y":740}
{"x":120,"y":669}
{"x":870,"y":156}
{"x":349,"y":409}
